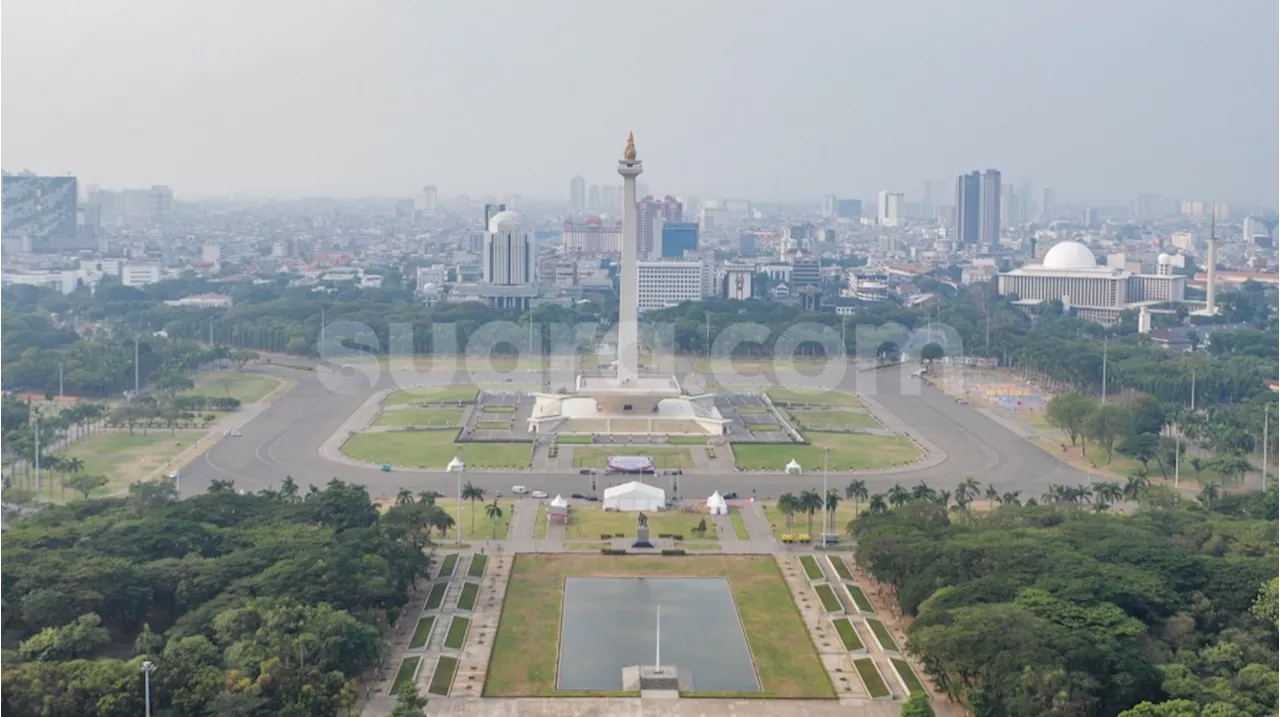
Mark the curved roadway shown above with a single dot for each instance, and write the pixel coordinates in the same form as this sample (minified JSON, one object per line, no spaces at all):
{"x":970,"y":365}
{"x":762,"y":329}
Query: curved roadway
{"x":285,"y":437}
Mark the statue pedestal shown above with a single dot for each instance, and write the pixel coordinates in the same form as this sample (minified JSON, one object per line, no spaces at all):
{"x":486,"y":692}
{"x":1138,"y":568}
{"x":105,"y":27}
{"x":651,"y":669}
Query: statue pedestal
{"x":642,"y":537}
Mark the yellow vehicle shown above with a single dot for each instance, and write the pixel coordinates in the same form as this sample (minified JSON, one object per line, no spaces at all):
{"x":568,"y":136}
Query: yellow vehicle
{"x":803,"y":538}
{"x":788,"y":538}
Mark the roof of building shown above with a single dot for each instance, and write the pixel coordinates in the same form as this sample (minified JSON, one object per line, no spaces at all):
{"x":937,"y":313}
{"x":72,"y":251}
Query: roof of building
{"x":1070,"y":255}
{"x":505,"y":217}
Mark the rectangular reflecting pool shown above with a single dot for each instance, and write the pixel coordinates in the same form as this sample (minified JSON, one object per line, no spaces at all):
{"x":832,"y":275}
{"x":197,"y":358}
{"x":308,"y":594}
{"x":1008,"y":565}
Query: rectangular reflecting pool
{"x":609,"y":624}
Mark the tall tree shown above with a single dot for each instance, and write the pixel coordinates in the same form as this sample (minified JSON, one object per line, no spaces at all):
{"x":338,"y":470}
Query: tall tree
{"x":493,"y":512}
{"x":1068,"y":413}
{"x":856,"y":491}
{"x":1107,"y":425}
{"x":472,"y":493}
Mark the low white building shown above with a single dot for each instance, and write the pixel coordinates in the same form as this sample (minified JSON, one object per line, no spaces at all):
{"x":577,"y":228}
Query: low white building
{"x":667,"y":283}
{"x":139,"y":274}
{"x":203,"y":301}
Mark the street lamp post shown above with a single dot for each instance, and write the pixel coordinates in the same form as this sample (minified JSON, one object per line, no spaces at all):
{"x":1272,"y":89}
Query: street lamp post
{"x":826,"y":461}
{"x":458,"y":527}
{"x":147,"y":668}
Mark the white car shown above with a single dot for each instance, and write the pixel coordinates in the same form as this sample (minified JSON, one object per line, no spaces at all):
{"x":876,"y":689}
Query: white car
{"x":519,"y":489}
{"x":539,"y":494}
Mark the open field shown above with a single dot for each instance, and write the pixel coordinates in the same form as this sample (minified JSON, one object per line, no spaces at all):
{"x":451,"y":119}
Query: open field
{"x":590,"y":523}
{"x":524,"y":656}
{"x":420,"y":417}
{"x":484,"y":527}
{"x":837,"y":524}
{"x":434,"y":449}
{"x":834,"y":420}
{"x":432,"y":394}
{"x":246,"y":387}
{"x":125,"y":459}
{"x":849,"y":452}
{"x":813,"y":397}
{"x":664,"y":457}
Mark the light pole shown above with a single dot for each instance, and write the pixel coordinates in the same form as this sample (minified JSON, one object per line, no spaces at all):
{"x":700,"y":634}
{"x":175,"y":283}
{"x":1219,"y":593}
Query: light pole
{"x":459,"y":525}
{"x":147,"y":668}
{"x":826,"y":461}
{"x":37,"y":421}
{"x":60,"y":380}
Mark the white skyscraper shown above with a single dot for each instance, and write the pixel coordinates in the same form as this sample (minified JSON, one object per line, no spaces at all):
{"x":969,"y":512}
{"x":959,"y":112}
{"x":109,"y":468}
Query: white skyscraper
{"x":889,"y":210}
{"x":508,"y":251}
{"x":429,"y":199}
{"x":577,"y":194}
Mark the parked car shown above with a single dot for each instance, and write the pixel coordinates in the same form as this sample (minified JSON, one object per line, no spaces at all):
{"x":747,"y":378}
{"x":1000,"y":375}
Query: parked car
{"x":578,"y":496}
{"x":730,"y":495}
{"x":962,"y":402}
{"x":584,"y":472}
{"x":519,"y":489}
{"x":593,"y":498}
{"x":830,"y":539}
{"x":539,"y":494}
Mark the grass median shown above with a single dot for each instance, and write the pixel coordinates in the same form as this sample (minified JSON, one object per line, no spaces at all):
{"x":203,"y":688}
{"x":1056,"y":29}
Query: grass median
{"x":442,"y":678}
{"x":849,"y":452}
{"x":434,"y":449}
{"x":422,"y":633}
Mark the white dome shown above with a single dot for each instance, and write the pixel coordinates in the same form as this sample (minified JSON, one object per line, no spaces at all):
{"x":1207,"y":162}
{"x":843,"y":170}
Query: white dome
{"x":507,"y":217}
{"x":1070,"y":255}
{"x":1163,"y":258}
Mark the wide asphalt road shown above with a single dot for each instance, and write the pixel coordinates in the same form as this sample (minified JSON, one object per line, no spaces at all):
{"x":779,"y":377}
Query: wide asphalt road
{"x":284,"y":440}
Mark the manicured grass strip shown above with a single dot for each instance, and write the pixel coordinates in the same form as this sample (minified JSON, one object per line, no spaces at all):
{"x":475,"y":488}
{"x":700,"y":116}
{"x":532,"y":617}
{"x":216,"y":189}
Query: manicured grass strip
{"x":404,"y":675}
{"x":830,"y":602}
{"x":848,"y":635}
{"x":492,"y":426}
{"x":871,"y":677}
{"x":860,"y":599}
{"x":841,"y":569}
{"x":443,"y":677}
{"x":882,"y":634}
{"x":499,"y":409}
{"x":447,"y":566}
{"x":477,"y":565}
{"x":752,"y":410}
{"x":908,"y":676}
{"x":739,"y":527}
{"x":457,"y":633}
{"x":687,"y":441}
{"x":436,"y":597}
{"x":524,"y":650}
{"x":575,"y":439}
{"x":467,"y":599}
{"x":422,"y":632}
{"x":811,"y":567}
{"x":763,"y":427}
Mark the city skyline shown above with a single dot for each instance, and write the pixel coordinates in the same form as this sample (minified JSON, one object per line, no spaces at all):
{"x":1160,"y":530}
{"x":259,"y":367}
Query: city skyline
{"x":375,"y":102}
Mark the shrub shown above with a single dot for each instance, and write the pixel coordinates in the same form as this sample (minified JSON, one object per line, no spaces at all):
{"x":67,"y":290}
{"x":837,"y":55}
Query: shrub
{"x":613,"y":551}
{"x":673,"y":551}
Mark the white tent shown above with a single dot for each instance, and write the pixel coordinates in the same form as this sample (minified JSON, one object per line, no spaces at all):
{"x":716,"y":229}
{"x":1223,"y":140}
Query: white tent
{"x":558,"y":508}
{"x":716,"y":504}
{"x":456,"y":465}
{"x":793,"y":468}
{"x":634,"y":496}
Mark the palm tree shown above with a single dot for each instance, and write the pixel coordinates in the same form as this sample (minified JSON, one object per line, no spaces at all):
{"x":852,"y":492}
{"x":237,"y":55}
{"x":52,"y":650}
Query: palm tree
{"x":1137,"y":481}
{"x":404,"y":496}
{"x":441,"y":521}
{"x":993,"y":496}
{"x":1083,"y":493}
{"x":289,"y":490}
{"x":922,"y":492}
{"x":428,"y":497}
{"x":898,"y":496}
{"x":1209,"y":493}
{"x":971,"y":489}
{"x":856,"y":491}
{"x":876,"y":504}
{"x":944,"y":498}
{"x":472,"y":493}
{"x":1011,"y":498}
{"x":833,"y":500}
{"x":494,"y":512}
{"x":1197,"y":465}
{"x":788,"y":504}
{"x":1106,"y":494}
{"x":811,"y":502}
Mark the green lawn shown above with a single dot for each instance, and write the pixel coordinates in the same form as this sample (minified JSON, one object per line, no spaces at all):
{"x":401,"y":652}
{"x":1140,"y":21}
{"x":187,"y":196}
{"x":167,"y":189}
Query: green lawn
{"x":849,"y":452}
{"x":811,"y":567}
{"x":540,"y":523}
{"x":841,"y":569}
{"x":589,"y":523}
{"x":484,"y":527}
{"x":432,"y":394}
{"x":813,"y":397}
{"x":404,"y":675}
{"x":871,"y":677}
{"x":752,"y":410}
{"x":908,"y":674}
{"x":247,"y":387}
{"x":443,"y":676}
{"x":830,"y":602}
{"x":448,"y":565}
{"x":457,"y":633}
{"x":687,"y":441}
{"x":435,"y":598}
{"x":499,"y":409}
{"x":834,"y":420}
{"x":739,"y":527}
{"x":860,"y":599}
{"x":575,"y":439}
{"x":848,"y":634}
{"x":478,"y":563}
{"x":524,"y":655}
{"x":664,"y":457}
{"x":420,"y":417}
{"x":837,"y":523}
{"x":493,"y":425}
{"x":125,"y":459}
{"x":434,"y":449}
{"x":467,"y":598}
{"x":422,"y":632}
{"x":882,"y":634}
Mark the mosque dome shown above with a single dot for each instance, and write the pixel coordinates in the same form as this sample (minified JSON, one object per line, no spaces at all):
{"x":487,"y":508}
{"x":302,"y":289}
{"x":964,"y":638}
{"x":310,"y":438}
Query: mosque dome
{"x":506,"y":218}
{"x":1070,"y":255}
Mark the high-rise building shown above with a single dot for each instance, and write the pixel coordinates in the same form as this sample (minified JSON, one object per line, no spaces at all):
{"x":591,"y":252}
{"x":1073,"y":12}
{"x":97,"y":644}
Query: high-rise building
{"x":509,"y":255}
{"x":430,"y":200}
{"x":1222,"y":211}
{"x":651,"y":214}
{"x":1011,"y":206}
{"x":160,"y":201}
{"x":806,"y":271}
{"x":492,"y":210}
{"x":849,"y":208}
{"x":1047,"y":206}
{"x":829,"y":206}
{"x":593,"y":198}
{"x":577,"y":194}
{"x":677,"y":238}
{"x":968,"y":207}
{"x":890,"y":209}
{"x":594,"y":236}
{"x":667,"y":283}
{"x":42,"y":211}
{"x":989,"y":209}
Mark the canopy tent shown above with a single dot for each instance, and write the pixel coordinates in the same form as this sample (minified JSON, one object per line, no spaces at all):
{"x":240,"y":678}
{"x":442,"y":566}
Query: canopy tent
{"x":716,"y":504}
{"x":456,"y":465}
{"x":793,"y":468}
{"x":558,"y":508}
{"x":634,"y":496}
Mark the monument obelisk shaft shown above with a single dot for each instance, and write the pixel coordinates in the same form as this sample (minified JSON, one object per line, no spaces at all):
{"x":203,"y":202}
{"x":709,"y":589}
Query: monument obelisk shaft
{"x":629,"y":274}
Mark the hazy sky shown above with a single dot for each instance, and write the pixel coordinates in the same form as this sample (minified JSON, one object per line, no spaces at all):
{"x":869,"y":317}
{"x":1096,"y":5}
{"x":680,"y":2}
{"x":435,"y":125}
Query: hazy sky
{"x":762,"y":100}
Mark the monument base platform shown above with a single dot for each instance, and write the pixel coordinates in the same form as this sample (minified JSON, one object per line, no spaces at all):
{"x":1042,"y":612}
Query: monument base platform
{"x":666,"y":678}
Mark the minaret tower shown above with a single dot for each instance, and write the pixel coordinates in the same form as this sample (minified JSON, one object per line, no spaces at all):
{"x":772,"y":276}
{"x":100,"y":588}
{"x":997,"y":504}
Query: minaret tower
{"x":629,"y":275}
